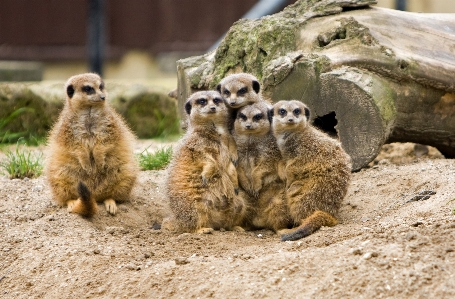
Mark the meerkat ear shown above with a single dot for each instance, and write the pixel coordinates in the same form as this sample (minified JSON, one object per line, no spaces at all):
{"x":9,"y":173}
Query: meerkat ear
{"x":70,"y":91}
{"x":256,"y":86}
{"x":270,"y":115}
{"x":307,"y":113}
{"x":218,"y":87}
{"x":188,"y":108}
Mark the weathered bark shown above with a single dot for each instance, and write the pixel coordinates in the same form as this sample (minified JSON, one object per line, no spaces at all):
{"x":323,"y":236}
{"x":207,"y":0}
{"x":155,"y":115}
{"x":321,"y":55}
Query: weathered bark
{"x":149,"y":111}
{"x":368,"y":74}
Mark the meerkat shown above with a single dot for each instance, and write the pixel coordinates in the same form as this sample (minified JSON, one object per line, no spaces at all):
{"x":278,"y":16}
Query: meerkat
{"x":260,"y":168}
{"x":202,"y":184}
{"x":239,"y":90}
{"x":90,"y":151}
{"x":317,"y":170}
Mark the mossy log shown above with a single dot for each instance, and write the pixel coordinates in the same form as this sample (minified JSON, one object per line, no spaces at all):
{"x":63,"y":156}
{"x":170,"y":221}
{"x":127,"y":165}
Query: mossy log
{"x":149,"y":110}
{"x":369,"y":75}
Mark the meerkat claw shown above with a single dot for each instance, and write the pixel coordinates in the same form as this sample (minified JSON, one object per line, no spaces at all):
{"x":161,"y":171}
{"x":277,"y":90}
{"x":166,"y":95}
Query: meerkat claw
{"x":111,"y":206}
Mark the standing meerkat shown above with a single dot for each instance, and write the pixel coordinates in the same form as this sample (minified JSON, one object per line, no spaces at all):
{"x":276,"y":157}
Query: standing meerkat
{"x":260,"y":168}
{"x":90,"y":151}
{"x":317,"y":170}
{"x":202,"y":184}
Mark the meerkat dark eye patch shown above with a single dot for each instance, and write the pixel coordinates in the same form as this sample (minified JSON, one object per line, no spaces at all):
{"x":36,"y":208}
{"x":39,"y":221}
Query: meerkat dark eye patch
{"x":270,"y":115}
{"x":201,"y":101}
{"x":70,"y":91}
{"x":258,"y":117}
{"x":307,"y":113}
{"x":88,"y":89}
{"x":242,"y":116}
{"x":242,"y":91}
{"x":226,"y":92}
{"x":282,"y":112}
{"x":297,"y":111}
{"x":256,"y":86}
{"x":217,"y":101}
{"x":188,"y":108}
{"x":102,"y":86}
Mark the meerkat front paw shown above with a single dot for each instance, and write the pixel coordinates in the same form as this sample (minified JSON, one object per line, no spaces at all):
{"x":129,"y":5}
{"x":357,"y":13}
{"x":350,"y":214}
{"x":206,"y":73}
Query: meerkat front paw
{"x":205,"y":230}
{"x":111,"y":206}
{"x":238,"y":229}
{"x":70,"y":204}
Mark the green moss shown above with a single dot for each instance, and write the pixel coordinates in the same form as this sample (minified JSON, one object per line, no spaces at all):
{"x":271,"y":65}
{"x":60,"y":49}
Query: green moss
{"x":384,"y":96}
{"x":38,"y":115}
{"x":250,"y":44}
{"x":152,"y":115}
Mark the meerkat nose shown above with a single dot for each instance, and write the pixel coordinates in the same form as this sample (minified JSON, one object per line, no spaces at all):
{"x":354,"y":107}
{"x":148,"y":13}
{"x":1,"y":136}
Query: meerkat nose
{"x":291,"y":120}
{"x":232,"y":103}
{"x":213,"y":108}
{"x":248,"y":126}
{"x":103,"y":97}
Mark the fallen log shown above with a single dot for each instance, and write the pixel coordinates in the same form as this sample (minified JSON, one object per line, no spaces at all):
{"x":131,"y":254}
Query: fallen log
{"x":369,"y":75}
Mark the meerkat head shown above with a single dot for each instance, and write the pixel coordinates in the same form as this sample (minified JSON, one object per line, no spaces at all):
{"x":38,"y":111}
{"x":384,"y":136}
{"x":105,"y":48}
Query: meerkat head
{"x":239,"y":90}
{"x":253,"y":119}
{"x":290,"y":116}
{"x":206,"y":107}
{"x":85,"y":90}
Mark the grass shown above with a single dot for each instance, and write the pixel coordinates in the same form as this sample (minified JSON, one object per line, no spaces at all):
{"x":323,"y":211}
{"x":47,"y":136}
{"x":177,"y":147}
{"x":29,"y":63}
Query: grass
{"x":156,"y":161}
{"x":7,"y":136}
{"x":22,"y":163}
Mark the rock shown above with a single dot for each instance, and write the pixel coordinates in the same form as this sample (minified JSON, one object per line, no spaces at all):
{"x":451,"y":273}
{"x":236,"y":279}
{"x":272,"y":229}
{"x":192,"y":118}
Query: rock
{"x":410,"y":236}
{"x":417,"y":223}
{"x":50,"y":217}
{"x":420,"y":150}
{"x":132,"y":267}
{"x":181,"y":261}
{"x":356,"y":251}
{"x":369,"y":255}
{"x":37,"y":188}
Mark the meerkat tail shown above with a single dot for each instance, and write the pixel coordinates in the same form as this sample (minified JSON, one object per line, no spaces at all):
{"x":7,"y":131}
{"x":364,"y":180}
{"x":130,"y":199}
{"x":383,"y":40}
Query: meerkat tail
{"x":85,"y":204}
{"x":309,"y":225}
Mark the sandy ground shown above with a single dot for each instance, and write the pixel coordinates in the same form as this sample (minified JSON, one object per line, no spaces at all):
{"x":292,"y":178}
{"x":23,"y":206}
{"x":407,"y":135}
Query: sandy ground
{"x":389,"y":244}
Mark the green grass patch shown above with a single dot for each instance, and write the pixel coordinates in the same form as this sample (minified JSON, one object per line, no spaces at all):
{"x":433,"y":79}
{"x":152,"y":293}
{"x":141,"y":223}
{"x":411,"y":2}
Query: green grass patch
{"x":156,"y":161}
{"x":6,"y":135}
{"x":22,"y":163}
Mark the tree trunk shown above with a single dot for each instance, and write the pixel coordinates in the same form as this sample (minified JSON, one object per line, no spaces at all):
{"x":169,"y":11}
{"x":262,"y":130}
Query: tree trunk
{"x":369,"y":75}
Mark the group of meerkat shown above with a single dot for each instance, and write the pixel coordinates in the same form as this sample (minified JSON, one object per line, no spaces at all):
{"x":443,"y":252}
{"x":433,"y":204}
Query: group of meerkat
{"x":244,"y":163}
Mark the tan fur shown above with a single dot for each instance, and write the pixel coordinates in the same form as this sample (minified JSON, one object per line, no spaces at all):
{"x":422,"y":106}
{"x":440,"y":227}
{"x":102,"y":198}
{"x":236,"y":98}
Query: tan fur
{"x":259,"y":166}
{"x":317,"y":169}
{"x":239,"y":90}
{"x":202,"y":181}
{"x":90,"y":143}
